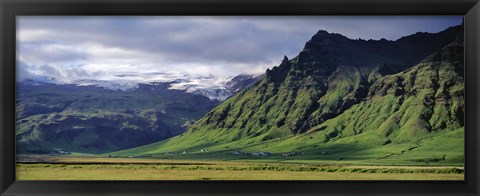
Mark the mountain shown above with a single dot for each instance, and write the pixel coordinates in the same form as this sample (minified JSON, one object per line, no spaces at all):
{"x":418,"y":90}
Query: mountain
{"x":329,"y":75}
{"x":242,"y":81}
{"x":91,"y":119}
{"x":354,"y":99}
{"x":216,"y":88}
{"x":116,"y":85}
{"x":94,"y":116}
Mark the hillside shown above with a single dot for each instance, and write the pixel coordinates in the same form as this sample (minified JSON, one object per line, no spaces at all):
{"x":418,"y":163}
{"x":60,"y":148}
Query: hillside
{"x":95,"y":119}
{"x":91,"y":119}
{"x":343,"y":99}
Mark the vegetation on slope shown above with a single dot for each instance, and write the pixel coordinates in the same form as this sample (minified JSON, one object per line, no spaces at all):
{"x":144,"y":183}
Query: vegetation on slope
{"x":343,"y":99}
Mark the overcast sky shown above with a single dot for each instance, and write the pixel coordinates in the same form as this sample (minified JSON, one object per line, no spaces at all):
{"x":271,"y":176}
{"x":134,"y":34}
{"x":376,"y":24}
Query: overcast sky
{"x":136,"y":48}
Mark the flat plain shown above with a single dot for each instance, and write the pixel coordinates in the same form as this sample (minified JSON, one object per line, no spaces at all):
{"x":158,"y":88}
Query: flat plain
{"x":97,"y":168}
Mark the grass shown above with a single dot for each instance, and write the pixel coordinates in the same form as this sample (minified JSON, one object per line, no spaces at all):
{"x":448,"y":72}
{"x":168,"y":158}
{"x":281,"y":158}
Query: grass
{"x":155,"y":174}
{"x":154,"y":169}
{"x":437,"y":148}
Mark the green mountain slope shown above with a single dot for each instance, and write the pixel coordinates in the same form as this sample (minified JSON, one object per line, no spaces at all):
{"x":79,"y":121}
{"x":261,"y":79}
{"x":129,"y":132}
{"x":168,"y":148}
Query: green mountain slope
{"x":328,"y":76}
{"x":343,"y":99}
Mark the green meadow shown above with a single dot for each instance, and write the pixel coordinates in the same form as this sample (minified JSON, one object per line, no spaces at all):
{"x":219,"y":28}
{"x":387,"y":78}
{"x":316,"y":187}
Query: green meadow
{"x":90,"y":168}
{"x":436,"y":157}
{"x":442,"y":148}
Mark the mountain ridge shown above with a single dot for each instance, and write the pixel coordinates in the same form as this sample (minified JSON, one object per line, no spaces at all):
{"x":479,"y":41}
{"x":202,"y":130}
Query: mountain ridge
{"x":315,"y":74}
{"x":215,"y":88}
{"x":317,"y":100}
{"x":90,"y":118}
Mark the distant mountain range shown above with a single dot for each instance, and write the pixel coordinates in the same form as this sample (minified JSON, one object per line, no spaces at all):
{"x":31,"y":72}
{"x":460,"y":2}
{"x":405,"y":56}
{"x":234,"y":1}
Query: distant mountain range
{"x":93,"y":116}
{"x":344,"y":99}
{"x":216,"y":89}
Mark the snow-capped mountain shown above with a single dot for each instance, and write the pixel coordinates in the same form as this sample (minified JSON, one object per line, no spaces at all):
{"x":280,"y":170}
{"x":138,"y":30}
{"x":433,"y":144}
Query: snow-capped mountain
{"x":242,"y":81}
{"x":116,"y":85}
{"x":215,"y":88}
{"x":219,"y":94}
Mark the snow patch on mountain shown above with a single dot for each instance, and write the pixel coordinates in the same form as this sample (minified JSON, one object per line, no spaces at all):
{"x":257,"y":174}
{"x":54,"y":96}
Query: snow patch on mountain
{"x":116,"y":85}
{"x":211,"y":87}
{"x":215,"y":88}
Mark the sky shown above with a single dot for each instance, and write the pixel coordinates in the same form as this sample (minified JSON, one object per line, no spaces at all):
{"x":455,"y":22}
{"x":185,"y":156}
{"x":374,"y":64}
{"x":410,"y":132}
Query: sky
{"x":155,"y":48}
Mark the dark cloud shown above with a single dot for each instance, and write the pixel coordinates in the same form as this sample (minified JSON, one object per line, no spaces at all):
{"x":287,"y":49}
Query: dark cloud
{"x":197,"y":45}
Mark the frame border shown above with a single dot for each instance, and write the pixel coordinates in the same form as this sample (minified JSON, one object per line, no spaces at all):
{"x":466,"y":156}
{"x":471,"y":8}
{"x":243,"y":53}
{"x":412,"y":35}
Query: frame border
{"x":9,"y":9}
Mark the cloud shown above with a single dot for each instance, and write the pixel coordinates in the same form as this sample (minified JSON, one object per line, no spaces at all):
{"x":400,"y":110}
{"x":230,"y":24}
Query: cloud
{"x":111,"y":47}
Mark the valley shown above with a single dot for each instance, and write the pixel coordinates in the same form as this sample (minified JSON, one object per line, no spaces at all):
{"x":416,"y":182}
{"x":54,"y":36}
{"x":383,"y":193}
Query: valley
{"x":97,"y":118}
{"x":342,"y":109}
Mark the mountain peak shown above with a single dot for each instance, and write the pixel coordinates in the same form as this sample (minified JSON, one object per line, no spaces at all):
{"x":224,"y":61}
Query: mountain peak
{"x":323,"y":35}
{"x":321,"y":31}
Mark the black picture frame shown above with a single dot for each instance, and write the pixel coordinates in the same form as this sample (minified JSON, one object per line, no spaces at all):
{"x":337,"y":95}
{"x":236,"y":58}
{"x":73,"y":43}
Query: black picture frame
{"x":9,"y":9}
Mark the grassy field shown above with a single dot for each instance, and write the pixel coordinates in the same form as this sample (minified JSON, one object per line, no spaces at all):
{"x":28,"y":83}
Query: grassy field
{"x":95,"y":168}
{"x":437,"y":148}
